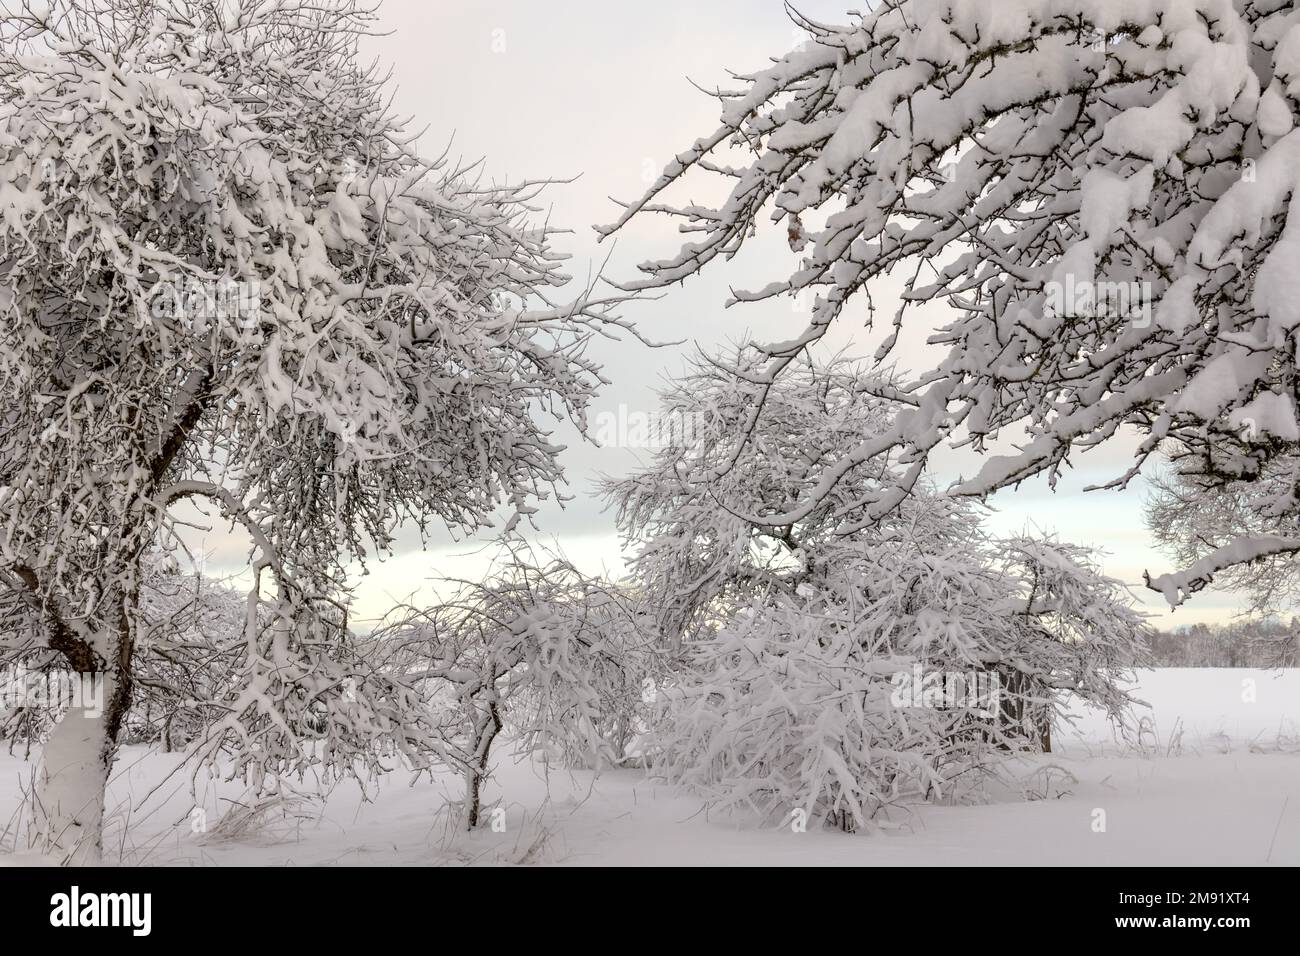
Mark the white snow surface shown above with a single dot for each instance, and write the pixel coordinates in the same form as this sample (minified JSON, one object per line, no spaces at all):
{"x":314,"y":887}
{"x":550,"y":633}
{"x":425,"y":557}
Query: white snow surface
{"x":1211,"y":778}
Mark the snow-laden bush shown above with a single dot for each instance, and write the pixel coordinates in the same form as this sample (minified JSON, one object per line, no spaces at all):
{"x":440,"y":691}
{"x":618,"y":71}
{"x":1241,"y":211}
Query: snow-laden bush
{"x":906,"y":675}
{"x":833,"y":674}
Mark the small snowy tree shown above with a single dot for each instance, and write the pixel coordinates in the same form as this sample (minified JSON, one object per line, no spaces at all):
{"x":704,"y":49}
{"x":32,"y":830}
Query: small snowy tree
{"x":1099,"y":189}
{"x":555,"y":659}
{"x":836,"y":673}
{"x":226,"y":276}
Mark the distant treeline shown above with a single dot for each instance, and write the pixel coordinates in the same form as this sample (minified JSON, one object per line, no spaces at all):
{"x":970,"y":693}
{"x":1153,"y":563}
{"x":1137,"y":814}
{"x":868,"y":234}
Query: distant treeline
{"x":1246,"y":643}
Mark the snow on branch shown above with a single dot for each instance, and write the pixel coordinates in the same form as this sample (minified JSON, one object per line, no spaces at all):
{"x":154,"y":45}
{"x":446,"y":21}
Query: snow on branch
{"x":1177,"y":587}
{"x":1099,"y":193}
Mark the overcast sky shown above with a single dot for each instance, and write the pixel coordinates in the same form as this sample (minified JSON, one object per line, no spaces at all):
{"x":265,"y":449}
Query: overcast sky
{"x":602,"y":91}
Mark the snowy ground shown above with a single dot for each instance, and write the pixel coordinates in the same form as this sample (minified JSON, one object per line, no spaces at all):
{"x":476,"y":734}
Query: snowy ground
{"x":1213,"y":778}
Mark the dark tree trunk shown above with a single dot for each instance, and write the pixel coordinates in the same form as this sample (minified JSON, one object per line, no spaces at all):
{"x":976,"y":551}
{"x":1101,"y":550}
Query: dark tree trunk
{"x":488,"y":729}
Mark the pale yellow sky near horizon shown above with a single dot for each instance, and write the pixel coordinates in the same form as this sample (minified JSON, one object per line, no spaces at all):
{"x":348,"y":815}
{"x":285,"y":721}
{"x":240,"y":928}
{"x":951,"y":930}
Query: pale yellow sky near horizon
{"x":601,"y":91}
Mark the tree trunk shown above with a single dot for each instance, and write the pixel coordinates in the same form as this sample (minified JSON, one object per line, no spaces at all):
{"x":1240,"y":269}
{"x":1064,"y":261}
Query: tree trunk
{"x":488,"y":728}
{"x":67,"y":801}
{"x":1032,"y":723}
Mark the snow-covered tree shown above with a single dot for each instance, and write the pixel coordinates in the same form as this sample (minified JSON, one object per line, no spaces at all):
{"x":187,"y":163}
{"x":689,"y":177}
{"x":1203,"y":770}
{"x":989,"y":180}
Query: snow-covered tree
{"x":557,"y":660}
{"x":227,"y":276}
{"x":833,"y":673}
{"x":1100,"y":190}
{"x":697,"y":553}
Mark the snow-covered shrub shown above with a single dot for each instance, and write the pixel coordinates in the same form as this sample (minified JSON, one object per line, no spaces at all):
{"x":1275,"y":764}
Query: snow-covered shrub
{"x":906,"y":674}
{"x":1098,"y":190}
{"x":834,"y":673}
